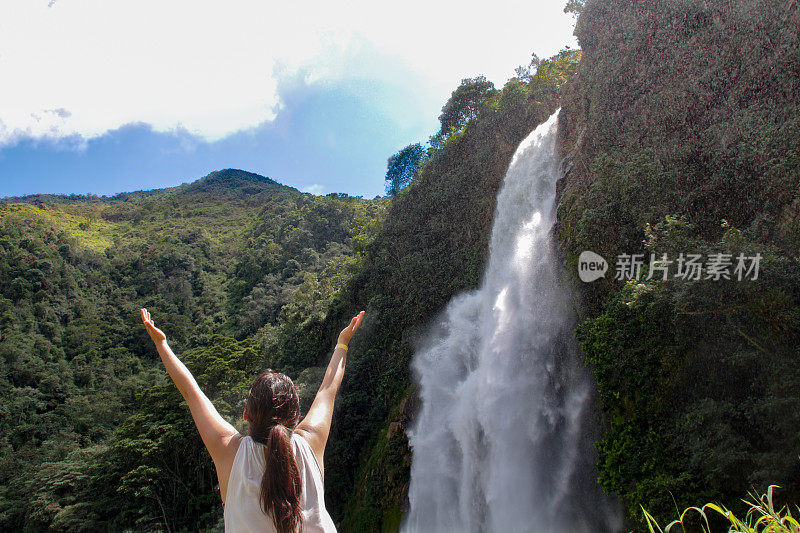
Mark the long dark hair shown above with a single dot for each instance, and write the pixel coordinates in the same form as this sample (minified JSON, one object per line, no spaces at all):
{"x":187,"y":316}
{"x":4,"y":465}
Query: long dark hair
{"x":273,"y":410}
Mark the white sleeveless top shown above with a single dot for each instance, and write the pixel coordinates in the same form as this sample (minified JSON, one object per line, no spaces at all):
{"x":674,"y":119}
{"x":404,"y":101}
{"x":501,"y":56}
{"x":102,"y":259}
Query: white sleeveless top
{"x":243,"y":513}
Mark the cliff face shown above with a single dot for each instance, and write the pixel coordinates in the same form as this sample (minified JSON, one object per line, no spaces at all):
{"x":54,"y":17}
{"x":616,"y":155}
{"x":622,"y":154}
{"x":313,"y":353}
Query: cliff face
{"x":682,"y":128}
{"x":707,"y":91}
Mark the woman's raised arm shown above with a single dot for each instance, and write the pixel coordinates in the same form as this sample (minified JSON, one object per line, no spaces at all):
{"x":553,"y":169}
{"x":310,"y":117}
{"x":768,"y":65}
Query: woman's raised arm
{"x":220,"y":438}
{"x":316,"y":426}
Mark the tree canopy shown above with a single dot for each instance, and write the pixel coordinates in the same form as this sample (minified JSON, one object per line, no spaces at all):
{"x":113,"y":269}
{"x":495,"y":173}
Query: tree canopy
{"x":464,"y":104}
{"x":402,"y":167}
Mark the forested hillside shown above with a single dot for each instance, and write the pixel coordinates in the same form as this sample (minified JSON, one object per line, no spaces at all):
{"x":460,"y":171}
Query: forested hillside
{"x":92,"y":434}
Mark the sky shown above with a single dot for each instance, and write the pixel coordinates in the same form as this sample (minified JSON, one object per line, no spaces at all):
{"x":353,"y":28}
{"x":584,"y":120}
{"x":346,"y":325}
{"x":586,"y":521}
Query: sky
{"x":102,"y":97}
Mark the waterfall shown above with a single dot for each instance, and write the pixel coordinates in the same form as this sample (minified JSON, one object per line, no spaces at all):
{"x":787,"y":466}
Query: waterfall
{"x":501,"y":442}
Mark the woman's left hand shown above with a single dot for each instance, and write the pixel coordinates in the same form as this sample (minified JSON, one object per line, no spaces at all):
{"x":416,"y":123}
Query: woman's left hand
{"x":156,"y":334}
{"x":347,"y":333}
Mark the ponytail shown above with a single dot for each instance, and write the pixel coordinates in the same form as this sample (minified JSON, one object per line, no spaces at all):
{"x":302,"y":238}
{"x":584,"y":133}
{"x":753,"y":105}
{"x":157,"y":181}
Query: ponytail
{"x":281,"y":486}
{"x":273,"y":410}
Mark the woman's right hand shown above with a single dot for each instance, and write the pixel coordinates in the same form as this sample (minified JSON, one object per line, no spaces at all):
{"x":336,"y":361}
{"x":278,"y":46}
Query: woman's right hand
{"x":347,"y":333}
{"x":156,"y":334}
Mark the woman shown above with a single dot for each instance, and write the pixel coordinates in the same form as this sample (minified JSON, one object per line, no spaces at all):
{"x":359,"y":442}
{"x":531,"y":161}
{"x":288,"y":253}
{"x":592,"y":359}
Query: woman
{"x":271,"y":479}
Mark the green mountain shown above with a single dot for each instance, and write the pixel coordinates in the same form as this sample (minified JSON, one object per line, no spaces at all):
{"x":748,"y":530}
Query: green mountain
{"x":229,"y":265}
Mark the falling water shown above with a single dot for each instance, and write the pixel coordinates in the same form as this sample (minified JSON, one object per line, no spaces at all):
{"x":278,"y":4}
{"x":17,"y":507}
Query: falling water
{"x":501,"y":442}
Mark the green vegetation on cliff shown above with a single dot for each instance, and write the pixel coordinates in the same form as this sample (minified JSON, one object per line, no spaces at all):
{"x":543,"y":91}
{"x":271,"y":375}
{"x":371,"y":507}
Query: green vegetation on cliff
{"x":682,"y":126}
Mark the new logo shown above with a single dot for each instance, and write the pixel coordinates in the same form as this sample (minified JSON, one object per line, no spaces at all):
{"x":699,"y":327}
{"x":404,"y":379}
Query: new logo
{"x":591,"y":266}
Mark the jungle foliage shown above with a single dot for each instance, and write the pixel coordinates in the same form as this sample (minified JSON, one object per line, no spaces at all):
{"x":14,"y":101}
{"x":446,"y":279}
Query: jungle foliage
{"x":682,"y":127}
{"x":93,"y":435}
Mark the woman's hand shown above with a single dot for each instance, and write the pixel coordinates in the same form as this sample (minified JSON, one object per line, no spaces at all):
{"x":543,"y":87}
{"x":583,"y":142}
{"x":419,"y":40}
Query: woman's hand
{"x":156,"y":334}
{"x":347,"y":333}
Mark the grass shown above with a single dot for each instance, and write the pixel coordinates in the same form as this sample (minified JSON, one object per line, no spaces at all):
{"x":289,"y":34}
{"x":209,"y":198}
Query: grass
{"x":90,"y":230}
{"x":762,"y":517}
{"x":96,"y":225}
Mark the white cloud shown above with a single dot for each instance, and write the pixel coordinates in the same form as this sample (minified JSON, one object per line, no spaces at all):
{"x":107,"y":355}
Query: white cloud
{"x":315,"y":189}
{"x":212,"y":68}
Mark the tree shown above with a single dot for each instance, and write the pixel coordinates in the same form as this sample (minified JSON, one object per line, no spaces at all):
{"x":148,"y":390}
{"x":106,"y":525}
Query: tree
{"x":464,"y":104}
{"x":402,"y":167}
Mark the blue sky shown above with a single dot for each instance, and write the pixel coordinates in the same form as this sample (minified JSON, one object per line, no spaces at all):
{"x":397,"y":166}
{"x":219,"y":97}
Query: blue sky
{"x":112,"y":97}
{"x":328,"y":138}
